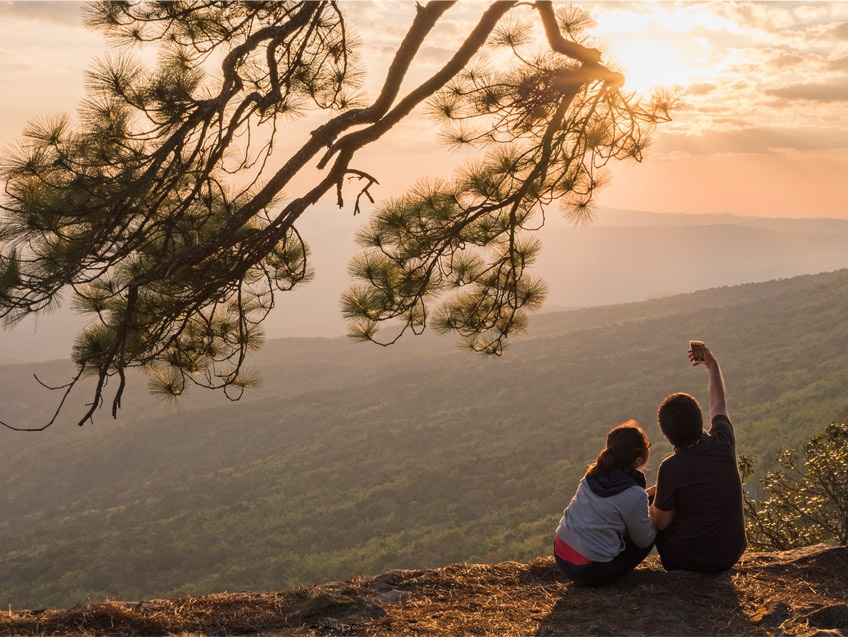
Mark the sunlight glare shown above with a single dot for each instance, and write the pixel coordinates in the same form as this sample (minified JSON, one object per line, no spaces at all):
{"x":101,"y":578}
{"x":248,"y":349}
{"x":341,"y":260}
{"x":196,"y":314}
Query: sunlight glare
{"x":650,"y":63}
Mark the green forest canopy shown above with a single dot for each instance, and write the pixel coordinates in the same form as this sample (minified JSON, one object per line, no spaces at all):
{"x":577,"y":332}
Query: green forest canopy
{"x":356,"y":460}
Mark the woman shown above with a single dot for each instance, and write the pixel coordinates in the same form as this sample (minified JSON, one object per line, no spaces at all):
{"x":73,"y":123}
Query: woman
{"x":607,"y":528}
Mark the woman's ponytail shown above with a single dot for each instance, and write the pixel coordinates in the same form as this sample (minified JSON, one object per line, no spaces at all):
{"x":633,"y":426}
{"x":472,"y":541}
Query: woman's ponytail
{"x":605,"y":464}
{"x":625,"y":445}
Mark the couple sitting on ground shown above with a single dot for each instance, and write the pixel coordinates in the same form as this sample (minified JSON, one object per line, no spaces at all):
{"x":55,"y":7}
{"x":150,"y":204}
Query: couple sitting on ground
{"x":694,"y":513}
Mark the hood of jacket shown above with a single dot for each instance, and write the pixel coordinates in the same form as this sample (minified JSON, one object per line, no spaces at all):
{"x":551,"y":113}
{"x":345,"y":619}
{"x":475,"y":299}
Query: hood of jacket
{"x":616,"y":482}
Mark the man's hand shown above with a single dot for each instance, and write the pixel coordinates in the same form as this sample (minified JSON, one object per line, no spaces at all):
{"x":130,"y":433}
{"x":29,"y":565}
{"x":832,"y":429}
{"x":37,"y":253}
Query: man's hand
{"x":651,"y":491}
{"x":709,"y":360}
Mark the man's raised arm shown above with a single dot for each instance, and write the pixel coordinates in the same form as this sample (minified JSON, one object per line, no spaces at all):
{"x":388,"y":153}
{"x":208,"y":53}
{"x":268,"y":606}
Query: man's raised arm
{"x":718,"y":402}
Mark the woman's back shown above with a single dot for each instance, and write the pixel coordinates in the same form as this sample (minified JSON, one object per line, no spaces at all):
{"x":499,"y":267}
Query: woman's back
{"x":603,"y":511}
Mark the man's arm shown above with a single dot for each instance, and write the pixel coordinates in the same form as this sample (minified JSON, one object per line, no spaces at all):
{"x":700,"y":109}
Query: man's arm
{"x":718,"y":402}
{"x":662,"y":519}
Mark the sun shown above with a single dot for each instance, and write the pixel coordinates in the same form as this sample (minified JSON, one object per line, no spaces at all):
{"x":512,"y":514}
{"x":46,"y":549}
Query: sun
{"x":649,"y":63}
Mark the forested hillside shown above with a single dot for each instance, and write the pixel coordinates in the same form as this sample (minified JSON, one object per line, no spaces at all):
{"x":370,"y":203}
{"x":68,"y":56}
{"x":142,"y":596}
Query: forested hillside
{"x":355,"y":459}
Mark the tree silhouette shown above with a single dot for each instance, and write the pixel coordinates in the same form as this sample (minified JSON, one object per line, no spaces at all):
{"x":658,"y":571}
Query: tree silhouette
{"x":139,"y":210}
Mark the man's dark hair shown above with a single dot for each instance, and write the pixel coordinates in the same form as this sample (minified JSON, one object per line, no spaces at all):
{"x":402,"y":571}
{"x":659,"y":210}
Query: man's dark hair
{"x":680,"y":419}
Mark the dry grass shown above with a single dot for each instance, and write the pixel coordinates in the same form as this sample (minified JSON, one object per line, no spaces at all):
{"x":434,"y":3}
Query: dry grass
{"x":794,"y":593}
{"x":224,"y":614}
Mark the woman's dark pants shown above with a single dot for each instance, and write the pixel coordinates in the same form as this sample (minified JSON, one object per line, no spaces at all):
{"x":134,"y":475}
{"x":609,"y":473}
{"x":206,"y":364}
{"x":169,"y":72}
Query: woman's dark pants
{"x":601,"y":573}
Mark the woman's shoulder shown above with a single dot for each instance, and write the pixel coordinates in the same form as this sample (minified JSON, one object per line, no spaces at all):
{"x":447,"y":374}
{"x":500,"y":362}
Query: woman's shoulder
{"x":618,"y":495}
{"x":632,"y":494}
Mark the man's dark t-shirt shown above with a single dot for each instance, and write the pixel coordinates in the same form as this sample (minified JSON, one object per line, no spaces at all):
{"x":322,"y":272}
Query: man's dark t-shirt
{"x":701,"y":483}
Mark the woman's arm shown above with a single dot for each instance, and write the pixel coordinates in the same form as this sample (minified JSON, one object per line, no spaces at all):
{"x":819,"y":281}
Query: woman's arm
{"x":637,"y":519}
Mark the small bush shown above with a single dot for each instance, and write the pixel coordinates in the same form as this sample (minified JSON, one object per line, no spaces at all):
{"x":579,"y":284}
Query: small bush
{"x":803,"y":503}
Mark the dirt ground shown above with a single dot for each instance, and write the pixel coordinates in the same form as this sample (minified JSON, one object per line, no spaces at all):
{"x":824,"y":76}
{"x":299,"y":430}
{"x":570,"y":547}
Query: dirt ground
{"x":802,"y":592}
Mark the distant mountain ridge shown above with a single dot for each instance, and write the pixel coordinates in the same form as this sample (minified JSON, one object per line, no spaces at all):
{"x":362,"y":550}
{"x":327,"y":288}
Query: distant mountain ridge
{"x":615,"y":217}
{"x":601,"y":265}
{"x":623,"y":256}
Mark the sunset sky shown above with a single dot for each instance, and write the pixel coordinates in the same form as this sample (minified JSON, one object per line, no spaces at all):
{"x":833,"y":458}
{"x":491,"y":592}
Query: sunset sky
{"x":764,"y":130}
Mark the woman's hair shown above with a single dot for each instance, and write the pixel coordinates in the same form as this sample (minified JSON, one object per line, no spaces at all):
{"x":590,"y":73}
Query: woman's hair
{"x":625,"y":445}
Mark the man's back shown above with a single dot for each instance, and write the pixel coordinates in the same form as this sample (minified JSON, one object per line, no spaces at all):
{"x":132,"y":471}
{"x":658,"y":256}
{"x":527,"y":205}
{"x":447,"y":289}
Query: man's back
{"x":701,"y":485}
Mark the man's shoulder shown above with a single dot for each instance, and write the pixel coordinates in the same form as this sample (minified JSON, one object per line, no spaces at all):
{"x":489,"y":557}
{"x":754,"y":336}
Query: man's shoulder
{"x":670,"y":463}
{"x":721,"y":430}
{"x":721,"y":420}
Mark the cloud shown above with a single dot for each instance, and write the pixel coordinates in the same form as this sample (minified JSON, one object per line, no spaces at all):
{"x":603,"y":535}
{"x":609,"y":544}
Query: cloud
{"x":14,"y":63}
{"x":840,"y":31}
{"x":783,"y":60}
{"x":755,"y":140}
{"x":833,"y":90}
{"x":767,"y":18}
{"x":839,"y":64}
{"x":66,"y":13}
{"x":434,"y":54}
{"x":732,"y":122}
{"x":701,"y":88}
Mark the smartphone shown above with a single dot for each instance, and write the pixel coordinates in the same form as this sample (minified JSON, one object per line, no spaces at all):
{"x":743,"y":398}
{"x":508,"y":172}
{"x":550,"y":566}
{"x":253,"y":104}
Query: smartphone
{"x":697,"y":348}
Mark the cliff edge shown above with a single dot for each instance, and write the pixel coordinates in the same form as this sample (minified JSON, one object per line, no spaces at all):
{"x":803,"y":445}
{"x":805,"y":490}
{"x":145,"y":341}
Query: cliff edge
{"x":800,"y":592}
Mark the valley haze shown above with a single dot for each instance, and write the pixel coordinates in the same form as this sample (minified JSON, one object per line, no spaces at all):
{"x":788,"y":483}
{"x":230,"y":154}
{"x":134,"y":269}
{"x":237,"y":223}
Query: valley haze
{"x":623,"y":256}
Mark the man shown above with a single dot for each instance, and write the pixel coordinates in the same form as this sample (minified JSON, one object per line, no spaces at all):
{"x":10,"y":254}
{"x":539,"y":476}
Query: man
{"x":698,"y":504}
